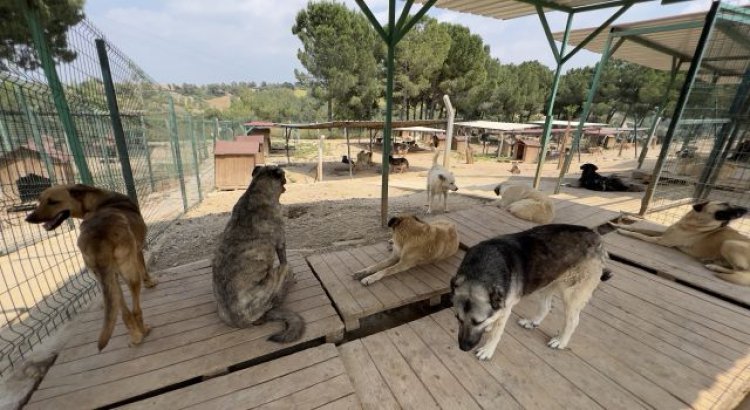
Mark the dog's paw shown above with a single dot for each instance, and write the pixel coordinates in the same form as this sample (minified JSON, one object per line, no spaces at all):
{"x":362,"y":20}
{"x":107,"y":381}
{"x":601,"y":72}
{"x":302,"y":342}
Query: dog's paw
{"x":527,"y":324}
{"x":485,"y":352}
{"x":360,"y":274}
{"x":555,"y":343}
{"x":714,"y":267}
{"x":370,"y":280}
{"x":150,"y":283}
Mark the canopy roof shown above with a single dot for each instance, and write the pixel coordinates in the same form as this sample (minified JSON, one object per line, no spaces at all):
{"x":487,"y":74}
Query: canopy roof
{"x":494,"y":125}
{"x":661,"y":43}
{"x":563,"y":123}
{"x":420,"y":129}
{"x":360,"y":124}
{"x":510,"y":9}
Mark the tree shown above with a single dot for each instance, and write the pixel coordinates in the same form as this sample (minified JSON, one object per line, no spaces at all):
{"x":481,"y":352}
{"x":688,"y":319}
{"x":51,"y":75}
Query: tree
{"x":16,"y":44}
{"x":340,"y":53}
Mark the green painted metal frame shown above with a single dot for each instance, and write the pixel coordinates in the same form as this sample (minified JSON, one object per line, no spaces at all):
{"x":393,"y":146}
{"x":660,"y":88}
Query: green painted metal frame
{"x":196,"y":160}
{"x":58,"y":93}
{"x":114,"y":115}
{"x":391,"y":35}
{"x":561,"y":57}
{"x":176,"y":154}
{"x":687,"y":86}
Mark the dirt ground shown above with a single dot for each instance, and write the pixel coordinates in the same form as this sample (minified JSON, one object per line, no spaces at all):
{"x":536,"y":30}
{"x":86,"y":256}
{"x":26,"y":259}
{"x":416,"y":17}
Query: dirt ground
{"x":343,"y":211}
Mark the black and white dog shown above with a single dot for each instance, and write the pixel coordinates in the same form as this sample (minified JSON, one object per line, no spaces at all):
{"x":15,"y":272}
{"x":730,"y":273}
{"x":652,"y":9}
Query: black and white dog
{"x":495,"y":274}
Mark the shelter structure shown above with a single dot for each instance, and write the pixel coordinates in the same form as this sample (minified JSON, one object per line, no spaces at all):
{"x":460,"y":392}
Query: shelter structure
{"x":711,"y":117}
{"x":32,"y":167}
{"x":398,"y":25}
{"x":262,"y":131}
{"x":234,"y":162}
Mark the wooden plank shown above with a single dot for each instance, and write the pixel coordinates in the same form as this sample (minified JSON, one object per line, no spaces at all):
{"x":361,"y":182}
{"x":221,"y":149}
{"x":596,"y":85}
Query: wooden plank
{"x":364,"y":298}
{"x":314,"y":396}
{"x":345,"y":403}
{"x":673,"y":263}
{"x":371,"y":389}
{"x":239,"y":380}
{"x":342,"y":298}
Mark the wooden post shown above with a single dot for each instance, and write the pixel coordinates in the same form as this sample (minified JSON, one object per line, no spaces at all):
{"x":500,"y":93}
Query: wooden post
{"x":564,"y":141}
{"x":349,"y":152}
{"x":319,"y":177}
{"x":287,"y":131}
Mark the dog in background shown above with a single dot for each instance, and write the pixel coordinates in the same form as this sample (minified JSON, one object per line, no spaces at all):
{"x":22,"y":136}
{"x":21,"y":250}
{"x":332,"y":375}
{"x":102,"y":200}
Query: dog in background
{"x":414,"y":243}
{"x":398,"y":163}
{"x":514,"y":169}
{"x":526,"y":203}
{"x":592,"y":180}
{"x":249,"y":290}
{"x":364,"y":158}
{"x":703,"y":234}
{"x":439,"y":182}
{"x":112,"y":238}
{"x":495,"y":274}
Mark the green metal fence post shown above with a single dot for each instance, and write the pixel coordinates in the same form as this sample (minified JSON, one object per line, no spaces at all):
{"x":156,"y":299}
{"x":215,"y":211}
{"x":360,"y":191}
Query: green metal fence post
{"x":574,"y":146}
{"x":58,"y":94}
{"x":148,"y":154}
{"x":114,"y":115}
{"x":196,"y":162}
{"x":216,"y":130}
{"x":544,"y":142}
{"x":175,"y":139}
{"x":36,"y":133}
{"x":203,"y":138}
{"x":7,"y":145}
{"x":680,"y":106}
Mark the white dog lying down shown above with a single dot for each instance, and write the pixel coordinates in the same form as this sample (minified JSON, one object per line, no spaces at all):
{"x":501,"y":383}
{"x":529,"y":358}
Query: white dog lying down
{"x":526,"y":203}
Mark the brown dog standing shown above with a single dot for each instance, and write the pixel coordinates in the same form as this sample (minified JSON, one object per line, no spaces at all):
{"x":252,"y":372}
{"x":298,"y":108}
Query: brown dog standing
{"x":414,"y":243}
{"x":112,"y":237}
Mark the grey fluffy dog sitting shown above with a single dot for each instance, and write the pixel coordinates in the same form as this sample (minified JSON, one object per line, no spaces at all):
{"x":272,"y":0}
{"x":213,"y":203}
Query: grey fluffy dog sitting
{"x":248,"y":288}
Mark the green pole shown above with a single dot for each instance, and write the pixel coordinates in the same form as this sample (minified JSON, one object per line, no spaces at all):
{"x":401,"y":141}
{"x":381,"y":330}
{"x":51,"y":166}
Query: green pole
{"x":7,"y":145}
{"x":216,"y":130}
{"x":551,"y":101}
{"x":687,"y":86}
{"x":196,"y":162}
{"x":58,"y":94}
{"x":203,"y":138}
{"x":585,"y":112}
{"x":36,"y":133}
{"x":114,"y":115}
{"x":148,"y":154}
{"x":175,"y":139}
{"x":390,"y":68}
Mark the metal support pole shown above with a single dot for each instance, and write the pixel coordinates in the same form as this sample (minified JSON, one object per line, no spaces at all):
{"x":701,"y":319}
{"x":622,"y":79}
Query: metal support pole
{"x":390,"y":69}
{"x":658,"y":113}
{"x":216,"y":130}
{"x":114,"y":115}
{"x":680,"y":106}
{"x":574,"y":146}
{"x":204,"y":146}
{"x":7,"y":145}
{"x":196,"y":161}
{"x":148,"y":155}
{"x":175,"y":139}
{"x":58,"y":93}
{"x":451,"y":113}
{"x":544,"y":142}
{"x":349,"y":152}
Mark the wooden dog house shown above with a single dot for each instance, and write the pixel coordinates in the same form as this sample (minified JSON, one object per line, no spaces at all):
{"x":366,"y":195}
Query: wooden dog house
{"x":262,"y":144}
{"x":24,"y":173}
{"x":234,"y":162}
{"x":526,"y":150}
{"x":261,"y":131}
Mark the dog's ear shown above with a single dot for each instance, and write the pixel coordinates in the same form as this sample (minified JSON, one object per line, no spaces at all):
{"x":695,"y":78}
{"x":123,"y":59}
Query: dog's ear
{"x":278,"y":172}
{"x":496,"y":297}
{"x":497,"y":189}
{"x":393,"y":222}
{"x":456,"y":281}
{"x":442,"y":177}
{"x":256,"y":170}
{"x":79,"y":191}
{"x":730,"y":214}
{"x":699,"y":206}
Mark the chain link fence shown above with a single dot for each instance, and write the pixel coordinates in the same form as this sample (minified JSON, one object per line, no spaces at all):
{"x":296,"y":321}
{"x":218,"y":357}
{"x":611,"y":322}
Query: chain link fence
{"x":56,"y":127}
{"x":709,"y":154}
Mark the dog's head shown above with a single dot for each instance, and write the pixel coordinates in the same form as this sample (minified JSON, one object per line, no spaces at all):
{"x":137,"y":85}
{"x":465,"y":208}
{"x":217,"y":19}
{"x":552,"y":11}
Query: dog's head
{"x":401,"y":220}
{"x":589,"y":168}
{"x":712,"y":212}
{"x":60,"y":202}
{"x":447,"y":181}
{"x":269,"y":176}
{"x":474,"y":304}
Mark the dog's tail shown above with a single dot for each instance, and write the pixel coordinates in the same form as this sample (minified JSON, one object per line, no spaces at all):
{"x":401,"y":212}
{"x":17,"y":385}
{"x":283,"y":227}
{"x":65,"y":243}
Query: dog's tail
{"x":112,"y":295}
{"x":294,"y":325}
{"x":435,"y":157}
{"x":606,"y":275}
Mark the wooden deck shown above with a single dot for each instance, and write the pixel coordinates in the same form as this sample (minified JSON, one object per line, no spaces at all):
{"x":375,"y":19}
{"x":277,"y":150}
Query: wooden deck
{"x":643,"y":342}
{"x":355,"y":301}
{"x":673,"y":264}
{"x":187,"y":341}
{"x":312,"y":378}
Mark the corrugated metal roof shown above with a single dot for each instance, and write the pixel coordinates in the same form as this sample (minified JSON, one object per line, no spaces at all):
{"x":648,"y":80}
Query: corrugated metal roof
{"x":494,"y":125}
{"x":236,"y":148}
{"x":510,"y":9}
{"x":658,"y":49}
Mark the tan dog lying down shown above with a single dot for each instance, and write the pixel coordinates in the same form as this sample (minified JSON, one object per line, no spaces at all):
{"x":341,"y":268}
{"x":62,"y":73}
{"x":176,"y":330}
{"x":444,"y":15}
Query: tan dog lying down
{"x":414,"y":243}
{"x":703,"y":234}
{"x":525,"y":202}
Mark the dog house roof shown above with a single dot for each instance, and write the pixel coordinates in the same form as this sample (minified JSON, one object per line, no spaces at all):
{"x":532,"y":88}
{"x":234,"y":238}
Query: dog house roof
{"x":249,"y":138}
{"x":236,"y":148}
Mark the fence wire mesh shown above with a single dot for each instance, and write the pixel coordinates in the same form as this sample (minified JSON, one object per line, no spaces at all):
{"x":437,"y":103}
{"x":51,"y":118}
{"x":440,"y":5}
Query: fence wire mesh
{"x":709,"y":155}
{"x":43,"y":281}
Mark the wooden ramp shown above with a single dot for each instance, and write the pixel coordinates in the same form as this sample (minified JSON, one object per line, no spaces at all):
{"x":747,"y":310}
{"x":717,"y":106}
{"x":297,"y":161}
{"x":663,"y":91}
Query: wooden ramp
{"x":355,"y":301}
{"x":673,"y":264}
{"x":311,"y":379}
{"x":187,"y":341}
{"x":643,"y":342}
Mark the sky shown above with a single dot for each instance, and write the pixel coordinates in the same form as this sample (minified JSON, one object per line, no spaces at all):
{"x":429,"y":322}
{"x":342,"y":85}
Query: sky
{"x":211,"y":41}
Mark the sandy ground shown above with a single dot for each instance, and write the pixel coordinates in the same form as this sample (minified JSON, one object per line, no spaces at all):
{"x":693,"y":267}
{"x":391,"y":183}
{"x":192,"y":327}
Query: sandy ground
{"x":343,"y":211}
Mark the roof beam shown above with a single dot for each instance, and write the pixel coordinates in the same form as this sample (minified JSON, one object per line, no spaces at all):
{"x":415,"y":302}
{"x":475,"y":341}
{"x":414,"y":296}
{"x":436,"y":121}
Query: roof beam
{"x":596,"y":32}
{"x":600,"y":6}
{"x":659,"y":29}
{"x":404,"y":14}
{"x":548,"y":34}
{"x":409,"y":23}
{"x":375,"y":23}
